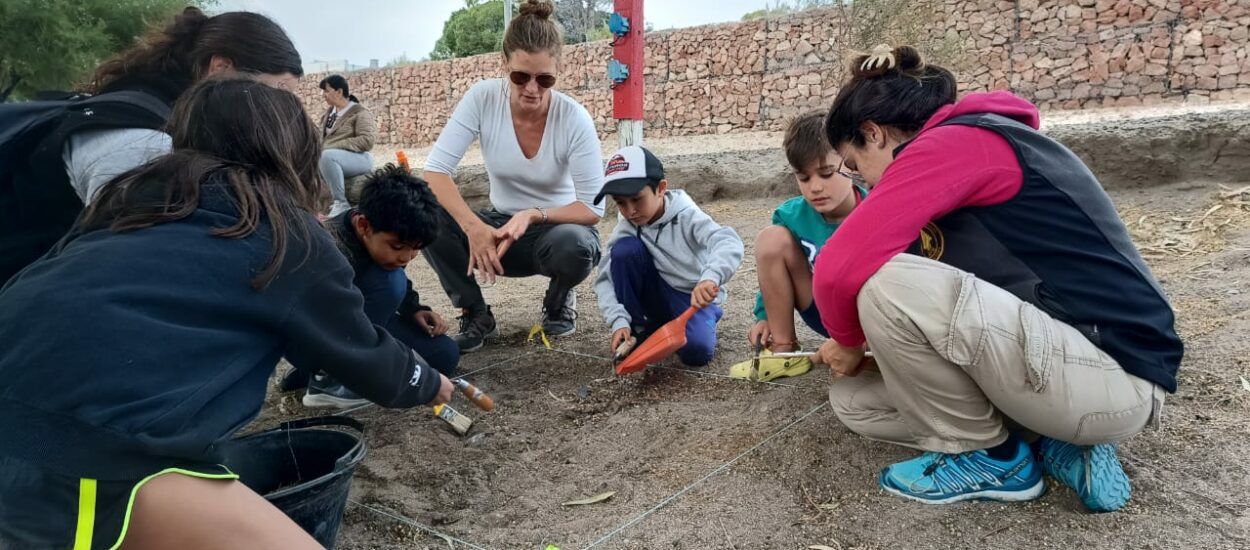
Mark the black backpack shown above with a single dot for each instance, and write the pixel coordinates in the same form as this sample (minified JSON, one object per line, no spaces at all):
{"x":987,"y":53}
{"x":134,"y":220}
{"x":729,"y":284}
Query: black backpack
{"x":37,"y":203}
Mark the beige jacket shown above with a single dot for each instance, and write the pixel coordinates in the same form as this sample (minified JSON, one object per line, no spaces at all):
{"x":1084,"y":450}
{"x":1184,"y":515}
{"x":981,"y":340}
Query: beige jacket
{"x":354,"y":131}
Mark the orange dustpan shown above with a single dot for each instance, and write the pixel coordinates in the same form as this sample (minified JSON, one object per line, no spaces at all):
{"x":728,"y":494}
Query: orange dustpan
{"x":663,"y":343}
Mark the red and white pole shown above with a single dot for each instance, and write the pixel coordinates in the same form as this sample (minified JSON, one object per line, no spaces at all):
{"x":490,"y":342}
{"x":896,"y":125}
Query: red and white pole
{"x":627,"y":49}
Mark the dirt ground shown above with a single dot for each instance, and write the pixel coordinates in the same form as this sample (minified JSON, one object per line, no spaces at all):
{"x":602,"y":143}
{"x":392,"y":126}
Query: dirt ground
{"x":698,"y":460}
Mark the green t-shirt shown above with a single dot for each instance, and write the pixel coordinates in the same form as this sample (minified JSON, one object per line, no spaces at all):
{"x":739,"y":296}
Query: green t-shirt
{"x":808,"y":227}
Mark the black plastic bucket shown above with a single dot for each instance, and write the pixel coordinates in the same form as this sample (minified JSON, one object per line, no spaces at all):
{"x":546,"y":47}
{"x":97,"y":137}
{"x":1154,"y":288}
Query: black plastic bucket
{"x":302,"y":469}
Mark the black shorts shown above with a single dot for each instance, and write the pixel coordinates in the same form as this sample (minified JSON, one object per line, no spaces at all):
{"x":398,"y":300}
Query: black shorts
{"x":42,"y":510}
{"x":811,"y":318}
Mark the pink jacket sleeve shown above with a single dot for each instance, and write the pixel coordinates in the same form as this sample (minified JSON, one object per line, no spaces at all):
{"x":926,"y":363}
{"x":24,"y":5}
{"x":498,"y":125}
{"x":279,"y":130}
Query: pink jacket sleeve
{"x":945,"y":169}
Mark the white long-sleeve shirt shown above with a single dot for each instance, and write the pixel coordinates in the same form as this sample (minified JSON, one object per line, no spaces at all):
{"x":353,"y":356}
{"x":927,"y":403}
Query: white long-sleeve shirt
{"x":567,"y":168}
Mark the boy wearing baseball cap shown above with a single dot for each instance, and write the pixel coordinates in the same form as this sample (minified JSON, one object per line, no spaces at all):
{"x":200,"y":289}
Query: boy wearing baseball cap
{"x":664,"y":256}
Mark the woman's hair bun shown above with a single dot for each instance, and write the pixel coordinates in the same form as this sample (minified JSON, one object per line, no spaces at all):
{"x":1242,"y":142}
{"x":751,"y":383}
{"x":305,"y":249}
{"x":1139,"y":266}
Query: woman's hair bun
{"x":187,"y":25}
{"x":884,"y":60}
{"x":538,"y":8}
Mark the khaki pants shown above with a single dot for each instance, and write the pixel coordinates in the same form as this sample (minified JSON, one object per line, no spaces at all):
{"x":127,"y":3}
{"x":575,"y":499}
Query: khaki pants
{"x":959,"y":357}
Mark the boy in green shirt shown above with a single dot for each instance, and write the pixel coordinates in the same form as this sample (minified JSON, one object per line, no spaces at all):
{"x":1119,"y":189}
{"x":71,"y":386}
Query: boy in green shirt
{"x":786,"y":251}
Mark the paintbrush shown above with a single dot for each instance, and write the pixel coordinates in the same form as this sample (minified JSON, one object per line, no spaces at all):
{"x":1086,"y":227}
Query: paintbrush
{"x":622,"y":350}
{"x":459,"y":422}
{"x":478,"y":397}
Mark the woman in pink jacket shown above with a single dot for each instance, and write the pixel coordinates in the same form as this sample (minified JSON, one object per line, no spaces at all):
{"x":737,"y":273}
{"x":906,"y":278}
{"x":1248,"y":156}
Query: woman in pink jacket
{"x":1038,"y":317}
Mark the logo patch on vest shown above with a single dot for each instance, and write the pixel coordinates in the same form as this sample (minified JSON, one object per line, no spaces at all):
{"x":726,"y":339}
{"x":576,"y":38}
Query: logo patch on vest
{"x":932,"y":241}
{"x":616,"y":164}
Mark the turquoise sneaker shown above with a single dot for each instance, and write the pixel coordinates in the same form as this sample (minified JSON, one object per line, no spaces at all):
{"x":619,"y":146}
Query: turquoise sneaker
{"x":939,"y":478}
{"x":1093,"y":472}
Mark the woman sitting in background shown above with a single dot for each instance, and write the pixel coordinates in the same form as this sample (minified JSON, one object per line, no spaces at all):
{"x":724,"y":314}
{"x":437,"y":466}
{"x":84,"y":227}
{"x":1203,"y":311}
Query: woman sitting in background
{"x":349,"y":136}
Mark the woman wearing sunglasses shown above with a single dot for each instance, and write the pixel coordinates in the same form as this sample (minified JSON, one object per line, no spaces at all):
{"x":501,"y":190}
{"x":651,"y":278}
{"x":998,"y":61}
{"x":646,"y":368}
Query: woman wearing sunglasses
{"x":545,"y":167}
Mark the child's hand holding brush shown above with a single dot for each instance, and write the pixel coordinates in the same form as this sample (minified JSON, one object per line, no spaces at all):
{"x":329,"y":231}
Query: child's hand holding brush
{"x":444,"y":391}
{"x":622,"y":342}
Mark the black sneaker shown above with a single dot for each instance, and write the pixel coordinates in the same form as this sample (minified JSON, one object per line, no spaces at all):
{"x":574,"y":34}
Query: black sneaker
{"x":475,"y":328}
{"x":562,"y":323}
{"x":295,"y":379}
{"x":324,"y":391}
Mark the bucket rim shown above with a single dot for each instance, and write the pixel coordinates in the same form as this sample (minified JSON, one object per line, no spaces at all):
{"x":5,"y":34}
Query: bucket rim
{"x":348,"y":461}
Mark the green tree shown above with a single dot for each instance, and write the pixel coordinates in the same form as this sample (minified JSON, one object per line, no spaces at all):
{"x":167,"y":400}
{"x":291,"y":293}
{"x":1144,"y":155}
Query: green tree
{"x":476,"y":28}
{"x":775,"y":10}
{"x":55,"y":44}
{"x":583,"y":19}
{"x":898,"y":22}
{"x":402,"y":60}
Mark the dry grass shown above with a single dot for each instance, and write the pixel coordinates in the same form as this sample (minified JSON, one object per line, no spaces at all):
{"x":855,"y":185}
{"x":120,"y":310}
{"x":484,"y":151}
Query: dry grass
{"x":1161,"y":235}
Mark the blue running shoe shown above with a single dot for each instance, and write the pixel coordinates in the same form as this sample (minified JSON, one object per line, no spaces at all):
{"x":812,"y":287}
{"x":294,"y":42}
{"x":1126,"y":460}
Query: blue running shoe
{"x":939,"y":478}
{"x":1093,"y":472}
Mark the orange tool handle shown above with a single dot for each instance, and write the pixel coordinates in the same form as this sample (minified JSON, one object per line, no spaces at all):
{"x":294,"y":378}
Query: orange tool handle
{"x":478,"y":397}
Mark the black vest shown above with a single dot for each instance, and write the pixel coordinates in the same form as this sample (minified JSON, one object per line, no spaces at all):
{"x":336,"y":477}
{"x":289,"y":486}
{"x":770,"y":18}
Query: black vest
{"x":1060,"y":245}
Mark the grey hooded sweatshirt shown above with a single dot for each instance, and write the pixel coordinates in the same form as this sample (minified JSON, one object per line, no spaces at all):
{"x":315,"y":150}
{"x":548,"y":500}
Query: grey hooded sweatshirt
{"x":688,"y":246}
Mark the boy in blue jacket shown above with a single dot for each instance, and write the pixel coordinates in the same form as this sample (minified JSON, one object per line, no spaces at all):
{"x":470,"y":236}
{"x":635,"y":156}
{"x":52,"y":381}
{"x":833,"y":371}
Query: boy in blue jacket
{"x":664,"y":256}
{"x":396,"y":217}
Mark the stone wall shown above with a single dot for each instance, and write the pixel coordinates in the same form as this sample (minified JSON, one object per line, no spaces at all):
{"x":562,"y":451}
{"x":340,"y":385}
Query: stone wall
{"x":756,"y":75}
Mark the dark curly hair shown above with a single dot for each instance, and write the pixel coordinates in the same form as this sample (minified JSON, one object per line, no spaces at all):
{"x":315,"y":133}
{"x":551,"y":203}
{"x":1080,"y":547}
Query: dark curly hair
{"x":395,"y":201}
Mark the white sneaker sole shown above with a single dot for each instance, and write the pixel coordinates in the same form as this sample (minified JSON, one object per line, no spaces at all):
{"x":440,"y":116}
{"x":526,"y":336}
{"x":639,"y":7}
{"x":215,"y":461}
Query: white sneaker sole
{"x":326,"y":400}
{"x":1024,"y":495}
{"x":559,"y":334}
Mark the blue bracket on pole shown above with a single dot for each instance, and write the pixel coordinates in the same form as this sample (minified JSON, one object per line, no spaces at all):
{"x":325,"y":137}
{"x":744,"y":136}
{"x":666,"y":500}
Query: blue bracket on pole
{"x":618,"y":24}
{"x":617,"y":72}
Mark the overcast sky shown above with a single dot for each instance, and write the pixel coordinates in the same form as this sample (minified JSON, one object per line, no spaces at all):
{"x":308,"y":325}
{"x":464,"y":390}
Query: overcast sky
{"x":360,"y":30}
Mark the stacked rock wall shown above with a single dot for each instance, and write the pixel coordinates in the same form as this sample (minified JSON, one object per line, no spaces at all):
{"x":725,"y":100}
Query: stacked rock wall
{"x":756,"y":75}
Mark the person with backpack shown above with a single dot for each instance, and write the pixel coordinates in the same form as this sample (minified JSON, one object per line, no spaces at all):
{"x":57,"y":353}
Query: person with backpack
{"x":188,"y":277}
{"x":56,"y":155}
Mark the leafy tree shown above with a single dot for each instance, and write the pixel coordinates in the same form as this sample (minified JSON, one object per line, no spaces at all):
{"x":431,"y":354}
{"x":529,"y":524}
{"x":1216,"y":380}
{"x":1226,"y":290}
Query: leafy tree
{"x":402,"y":60}
{"x":782,"y":7}
{"x":602,"y":33}
{"x":776,"y":10}
{"x":476,"y":28}
{"x":583,"y":20}
{"x":55,"y":44}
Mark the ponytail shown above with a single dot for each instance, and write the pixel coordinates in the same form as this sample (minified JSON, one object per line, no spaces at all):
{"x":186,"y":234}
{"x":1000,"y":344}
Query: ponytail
{"x":532,"y":30}
{"x":182,"y":51}
{"x":892,"y":87}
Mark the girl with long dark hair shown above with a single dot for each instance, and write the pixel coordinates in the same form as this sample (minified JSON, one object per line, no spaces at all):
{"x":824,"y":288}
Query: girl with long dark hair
{"x":147,"y":337}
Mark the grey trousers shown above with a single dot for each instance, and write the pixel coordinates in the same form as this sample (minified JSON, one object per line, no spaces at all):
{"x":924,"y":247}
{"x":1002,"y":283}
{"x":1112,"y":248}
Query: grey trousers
{"x":961,"y":360}
{"x":338,"y":164}
{"x":565,"y":253}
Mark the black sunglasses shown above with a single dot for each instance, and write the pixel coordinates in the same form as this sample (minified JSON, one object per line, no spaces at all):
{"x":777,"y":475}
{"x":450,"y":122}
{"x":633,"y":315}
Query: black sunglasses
{"x":521,"y":78}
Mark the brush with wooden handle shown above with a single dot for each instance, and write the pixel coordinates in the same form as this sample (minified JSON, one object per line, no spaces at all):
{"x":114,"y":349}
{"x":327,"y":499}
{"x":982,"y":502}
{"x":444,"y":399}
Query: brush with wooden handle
{"x":458,"y":422}
{"x":478,"y":397}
